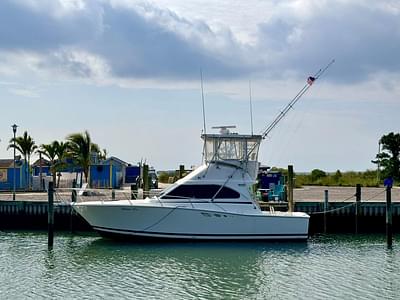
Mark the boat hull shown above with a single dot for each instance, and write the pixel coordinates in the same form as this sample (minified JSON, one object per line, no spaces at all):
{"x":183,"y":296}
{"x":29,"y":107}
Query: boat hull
{"x":183,"y":223}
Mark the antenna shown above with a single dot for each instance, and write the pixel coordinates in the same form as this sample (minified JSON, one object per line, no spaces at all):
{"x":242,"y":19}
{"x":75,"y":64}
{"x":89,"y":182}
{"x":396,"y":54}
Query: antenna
{"x":202,"y":100}
{"x":251,"y":108}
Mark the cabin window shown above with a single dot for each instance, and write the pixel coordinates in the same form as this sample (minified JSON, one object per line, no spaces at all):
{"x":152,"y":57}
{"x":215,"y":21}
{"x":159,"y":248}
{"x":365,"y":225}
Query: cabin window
{"x":204,"y":191}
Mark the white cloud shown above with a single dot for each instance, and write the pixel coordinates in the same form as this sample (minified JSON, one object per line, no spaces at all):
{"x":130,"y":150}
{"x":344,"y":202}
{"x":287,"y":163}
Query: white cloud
{"x":137,"y":41}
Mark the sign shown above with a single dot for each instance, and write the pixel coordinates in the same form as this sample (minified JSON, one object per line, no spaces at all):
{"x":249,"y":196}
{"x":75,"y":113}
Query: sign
{"x":388,"y":182}
{"x":3,"y":175}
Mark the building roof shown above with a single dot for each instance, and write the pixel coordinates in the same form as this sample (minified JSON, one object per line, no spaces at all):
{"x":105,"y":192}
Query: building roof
{"x":45,"y":163}
{"x":9,"y":163}
{"x":114,"y":159}
{"x":6,"y":163}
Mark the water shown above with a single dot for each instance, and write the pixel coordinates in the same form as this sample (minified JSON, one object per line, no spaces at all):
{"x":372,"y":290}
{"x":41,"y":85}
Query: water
{"x":88,"y":267}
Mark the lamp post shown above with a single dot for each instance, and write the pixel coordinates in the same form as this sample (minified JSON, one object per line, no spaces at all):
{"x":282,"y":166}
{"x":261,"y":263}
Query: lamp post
{"x":14,"y":128}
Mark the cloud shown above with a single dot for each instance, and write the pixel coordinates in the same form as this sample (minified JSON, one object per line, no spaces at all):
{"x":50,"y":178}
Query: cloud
{"x":362,"y":36}
{"x":25,"y":92}
{"x":138,"y":42}
{"x":117,"y":39}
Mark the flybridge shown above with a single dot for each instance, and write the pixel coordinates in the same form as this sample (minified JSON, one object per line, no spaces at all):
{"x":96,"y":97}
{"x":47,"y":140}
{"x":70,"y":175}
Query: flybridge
{"x":231,"y":146}
{"x":240,"y":150}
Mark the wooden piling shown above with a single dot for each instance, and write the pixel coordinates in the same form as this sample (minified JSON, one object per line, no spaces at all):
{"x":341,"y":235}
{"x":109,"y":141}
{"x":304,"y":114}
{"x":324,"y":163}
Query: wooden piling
{"x":358,"y":207}
{"x":74,"y":194}
{"x":113,"y":195}
{"x":73,"y":200}
{"x":50,"y":215}
{"x":326,"y":207}
{"x":290,"y":188}
{"x":181,"y":171}
{"x":146,"y":186}
{"x":389,"y":230}
{"x":133,"y":191}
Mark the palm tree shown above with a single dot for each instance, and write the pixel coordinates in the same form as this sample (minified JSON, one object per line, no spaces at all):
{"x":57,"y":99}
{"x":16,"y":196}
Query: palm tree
{"x":80,"y":148}
{"x":50,"y":151}
{"x":62,"y":153}
{"x":26,"y":146}
{"x":103,"y":154}
{"x":56,"y":152}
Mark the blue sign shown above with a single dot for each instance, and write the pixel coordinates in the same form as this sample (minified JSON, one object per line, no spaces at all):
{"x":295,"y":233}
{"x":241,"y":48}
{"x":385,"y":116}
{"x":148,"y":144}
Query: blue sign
{"x":388,"y":182}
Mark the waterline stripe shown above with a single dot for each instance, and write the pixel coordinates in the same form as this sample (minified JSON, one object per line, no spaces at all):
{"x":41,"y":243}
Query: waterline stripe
{"x":198,"y":234}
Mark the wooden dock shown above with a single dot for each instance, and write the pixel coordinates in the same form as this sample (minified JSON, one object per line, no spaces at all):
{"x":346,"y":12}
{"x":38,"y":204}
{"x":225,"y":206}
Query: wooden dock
{"x":30,"y":212}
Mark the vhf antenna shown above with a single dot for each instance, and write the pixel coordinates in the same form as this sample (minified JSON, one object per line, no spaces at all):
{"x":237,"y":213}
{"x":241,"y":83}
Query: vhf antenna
{"x":251,"y":108}
{"x":202,"y":100}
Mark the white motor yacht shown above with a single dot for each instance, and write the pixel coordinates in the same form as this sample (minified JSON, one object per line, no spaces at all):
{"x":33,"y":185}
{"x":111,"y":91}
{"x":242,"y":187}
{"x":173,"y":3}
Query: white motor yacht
{"x":214,"y":202}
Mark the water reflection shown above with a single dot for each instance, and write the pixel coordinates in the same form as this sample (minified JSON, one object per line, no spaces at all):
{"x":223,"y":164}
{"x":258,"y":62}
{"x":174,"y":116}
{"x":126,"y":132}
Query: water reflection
{"x":342,"y":266}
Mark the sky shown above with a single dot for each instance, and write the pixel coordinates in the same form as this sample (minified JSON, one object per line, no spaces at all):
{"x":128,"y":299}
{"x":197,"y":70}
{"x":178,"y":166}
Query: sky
{"x":129,"y":73}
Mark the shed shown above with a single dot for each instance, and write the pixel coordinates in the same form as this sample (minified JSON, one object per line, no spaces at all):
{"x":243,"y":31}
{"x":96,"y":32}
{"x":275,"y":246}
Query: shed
{"x":108,"y":173}
{"x":44,"y":164}
{"x":7,"y":174}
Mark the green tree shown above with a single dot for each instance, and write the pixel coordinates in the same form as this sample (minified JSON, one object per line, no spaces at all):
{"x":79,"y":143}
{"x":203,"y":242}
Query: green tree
{"x":80,"y":148}
{"x":103,"y":154}
{"x":26,"y":146}
{"x":337,"y":176}
{"x":56,"y":152}
{"x":317,"y":174}
{"x":50,"y":151}
{"x":389,"y":158}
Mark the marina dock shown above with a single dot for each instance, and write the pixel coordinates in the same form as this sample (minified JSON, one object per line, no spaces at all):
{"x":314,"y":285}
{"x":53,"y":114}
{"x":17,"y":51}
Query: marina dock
{"x":29,"y":211}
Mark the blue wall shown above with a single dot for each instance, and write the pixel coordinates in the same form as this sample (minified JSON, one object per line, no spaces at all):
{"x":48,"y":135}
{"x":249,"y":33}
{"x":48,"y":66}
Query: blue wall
{"x":45,"y":171}
{"x":21,"y":182}
{"x":100,"y":175}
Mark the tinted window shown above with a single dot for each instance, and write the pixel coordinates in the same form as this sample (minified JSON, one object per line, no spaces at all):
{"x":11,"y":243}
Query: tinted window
{"x":205,"y":191}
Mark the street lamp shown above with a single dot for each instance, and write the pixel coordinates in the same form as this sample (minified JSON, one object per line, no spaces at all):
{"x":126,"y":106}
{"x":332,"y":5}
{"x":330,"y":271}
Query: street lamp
{"x":14,"y":128}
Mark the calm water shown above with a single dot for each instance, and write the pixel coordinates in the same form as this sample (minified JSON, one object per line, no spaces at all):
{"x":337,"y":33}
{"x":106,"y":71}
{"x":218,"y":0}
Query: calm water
{"x":88,"y":267}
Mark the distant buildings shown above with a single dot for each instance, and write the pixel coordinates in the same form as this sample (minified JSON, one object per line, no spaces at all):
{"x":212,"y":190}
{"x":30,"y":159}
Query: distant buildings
{"x":108,"y":173}
{"x":7,"y":174}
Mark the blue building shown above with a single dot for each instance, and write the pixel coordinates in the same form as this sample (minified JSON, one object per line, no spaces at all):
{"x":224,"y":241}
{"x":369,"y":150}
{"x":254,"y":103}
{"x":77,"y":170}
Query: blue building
{"x":109,"y":173}
{"x":44,"y":165}
{"x":7,"y":174}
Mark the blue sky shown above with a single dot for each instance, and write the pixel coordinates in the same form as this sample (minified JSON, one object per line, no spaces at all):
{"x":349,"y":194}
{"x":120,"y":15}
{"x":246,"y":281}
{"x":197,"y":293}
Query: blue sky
{"x":128,"y":72}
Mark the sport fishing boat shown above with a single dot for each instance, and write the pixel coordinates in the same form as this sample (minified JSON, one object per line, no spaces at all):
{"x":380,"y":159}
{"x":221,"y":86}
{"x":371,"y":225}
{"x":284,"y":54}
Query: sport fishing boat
{"x":214,"y":202}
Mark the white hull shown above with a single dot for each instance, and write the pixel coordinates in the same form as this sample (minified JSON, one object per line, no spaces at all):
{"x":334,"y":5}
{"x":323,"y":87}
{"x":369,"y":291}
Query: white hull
{"x":202,"y":221}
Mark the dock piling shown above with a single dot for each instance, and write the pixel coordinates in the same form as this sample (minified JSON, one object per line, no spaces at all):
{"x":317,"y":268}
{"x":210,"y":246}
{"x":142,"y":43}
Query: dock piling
{"x":146,"y":186}
{"x":326,"y":207}
{"x":134,"y":191}
{"x":73,"y":200}
{"x":73,"y":194}
{"x":358,"y":207}
{"x":290,"y":188}
{"x":389,"y":230}
{"x":50,"y":216}
{"x":181,"y":171}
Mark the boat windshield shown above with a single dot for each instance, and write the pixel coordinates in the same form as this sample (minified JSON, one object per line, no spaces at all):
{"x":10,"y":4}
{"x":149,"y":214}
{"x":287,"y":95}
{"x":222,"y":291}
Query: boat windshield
{"x":231,"y":147}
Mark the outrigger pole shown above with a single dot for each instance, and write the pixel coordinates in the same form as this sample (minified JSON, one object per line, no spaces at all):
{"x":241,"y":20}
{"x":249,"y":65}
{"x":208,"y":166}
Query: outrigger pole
{"x":289,"y":106}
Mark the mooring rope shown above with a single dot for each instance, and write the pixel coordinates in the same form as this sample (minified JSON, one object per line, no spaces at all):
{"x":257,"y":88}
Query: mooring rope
{"x":332,"y":210}
{"x":351,"y":204}
{"x":374,"y":196}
